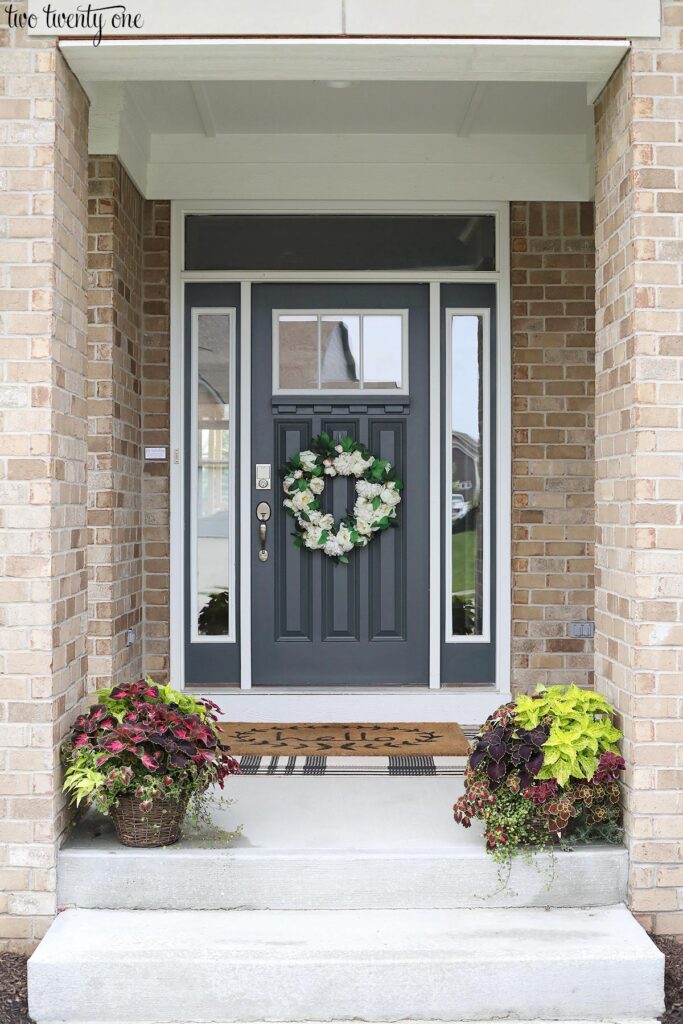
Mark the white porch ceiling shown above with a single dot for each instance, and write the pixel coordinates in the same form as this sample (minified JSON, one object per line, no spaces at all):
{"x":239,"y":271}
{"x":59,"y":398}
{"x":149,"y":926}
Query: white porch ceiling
{"x":430,"y":121}
{"x":215,"y":108}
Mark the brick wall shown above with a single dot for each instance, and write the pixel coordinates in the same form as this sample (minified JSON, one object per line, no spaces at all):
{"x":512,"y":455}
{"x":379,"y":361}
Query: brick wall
{"x":43,"y":608}
{"x":114,"y":424}
{"x":156,"y":431}
{"x":639,"y":453}
{"x":553,"y":348}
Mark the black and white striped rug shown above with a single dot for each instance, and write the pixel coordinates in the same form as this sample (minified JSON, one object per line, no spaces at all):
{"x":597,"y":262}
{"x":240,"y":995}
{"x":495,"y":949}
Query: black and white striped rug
{"x":402,"y":766}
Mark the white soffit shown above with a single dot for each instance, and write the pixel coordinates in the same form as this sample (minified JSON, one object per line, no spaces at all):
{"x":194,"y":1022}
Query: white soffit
{"x":553,"y":19}
{"x":494,"y":60}
{"x":580,"y":19}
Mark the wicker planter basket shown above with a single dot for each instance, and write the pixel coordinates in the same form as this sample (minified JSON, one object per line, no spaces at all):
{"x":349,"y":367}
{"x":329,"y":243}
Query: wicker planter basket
{"x":158,"y":826}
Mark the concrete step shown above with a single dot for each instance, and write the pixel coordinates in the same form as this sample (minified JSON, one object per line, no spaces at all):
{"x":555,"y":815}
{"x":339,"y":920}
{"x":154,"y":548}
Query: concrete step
{"x":102,"y":966}
{"x":178,"y":878}
{"x":332,"y":844}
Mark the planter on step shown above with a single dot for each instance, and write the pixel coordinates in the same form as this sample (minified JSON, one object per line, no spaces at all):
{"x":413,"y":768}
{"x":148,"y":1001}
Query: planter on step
{"x":140,"y":754}
{"x":139,"y":825}
{"x":545,"y":771}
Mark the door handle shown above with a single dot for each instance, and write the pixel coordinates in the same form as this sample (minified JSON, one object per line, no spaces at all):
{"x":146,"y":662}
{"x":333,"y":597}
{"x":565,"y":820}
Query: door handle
{"x":262,"y":531}
{"x":263,"y":515}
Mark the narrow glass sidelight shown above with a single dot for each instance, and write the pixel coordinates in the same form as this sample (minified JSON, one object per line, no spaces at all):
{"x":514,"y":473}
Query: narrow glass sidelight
{"x":466,"y":493}
{"x":212,"y":505}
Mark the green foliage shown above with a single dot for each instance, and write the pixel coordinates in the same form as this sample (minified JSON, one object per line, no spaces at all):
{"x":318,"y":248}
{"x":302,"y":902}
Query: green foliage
{"x":213,"y":618}
{"x":581,"y":730}
{"x":83,"y":779}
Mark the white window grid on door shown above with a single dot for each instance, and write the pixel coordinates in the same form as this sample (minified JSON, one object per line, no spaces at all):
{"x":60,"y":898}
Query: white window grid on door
{"x":320,"y":314}
{"x":465,"y":704}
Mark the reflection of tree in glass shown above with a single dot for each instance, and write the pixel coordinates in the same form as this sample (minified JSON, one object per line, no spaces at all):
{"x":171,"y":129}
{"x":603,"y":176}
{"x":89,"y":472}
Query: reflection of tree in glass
{"x":213,"y":618}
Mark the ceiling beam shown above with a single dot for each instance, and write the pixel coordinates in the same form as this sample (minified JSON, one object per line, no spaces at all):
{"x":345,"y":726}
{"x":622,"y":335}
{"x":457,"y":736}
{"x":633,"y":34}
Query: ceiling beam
{"x":464,"y":129}
{"x":203,"y":104}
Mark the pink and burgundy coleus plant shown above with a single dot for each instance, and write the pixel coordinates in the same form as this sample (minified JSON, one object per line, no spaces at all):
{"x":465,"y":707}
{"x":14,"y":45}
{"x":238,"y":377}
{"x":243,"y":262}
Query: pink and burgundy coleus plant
{"x":141,"y":728}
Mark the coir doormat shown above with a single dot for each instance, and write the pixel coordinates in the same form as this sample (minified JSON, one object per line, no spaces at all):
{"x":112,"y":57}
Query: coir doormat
{"x":368,"y":739}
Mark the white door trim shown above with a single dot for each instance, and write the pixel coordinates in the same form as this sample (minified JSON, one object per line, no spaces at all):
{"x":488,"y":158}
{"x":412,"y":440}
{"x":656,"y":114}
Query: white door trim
{"x":404,"y":703}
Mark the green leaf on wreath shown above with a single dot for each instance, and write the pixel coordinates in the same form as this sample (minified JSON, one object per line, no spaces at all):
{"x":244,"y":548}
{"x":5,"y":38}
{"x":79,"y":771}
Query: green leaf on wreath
{"x":298,"y":542}
{"x":376,"y":501}
{"x":323,"y":537}
{"x":343,"y":559}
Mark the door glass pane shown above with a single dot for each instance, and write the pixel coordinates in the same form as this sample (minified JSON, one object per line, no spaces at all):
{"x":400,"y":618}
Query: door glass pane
{"x":213,"y":562}
{"x":298,"y":352}
{"x":340,"y":352}
{"x":382,"y":351}
{"x":466,"y":511}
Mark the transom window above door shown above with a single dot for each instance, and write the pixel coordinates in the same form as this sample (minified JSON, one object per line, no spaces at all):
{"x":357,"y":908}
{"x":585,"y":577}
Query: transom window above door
{"x":337,"y":352}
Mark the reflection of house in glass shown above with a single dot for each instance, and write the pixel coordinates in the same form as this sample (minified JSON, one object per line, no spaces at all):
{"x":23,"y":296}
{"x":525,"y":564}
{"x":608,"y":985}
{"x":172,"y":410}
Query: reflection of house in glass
{"x":338,"y":363}
{"x":465,"y":454}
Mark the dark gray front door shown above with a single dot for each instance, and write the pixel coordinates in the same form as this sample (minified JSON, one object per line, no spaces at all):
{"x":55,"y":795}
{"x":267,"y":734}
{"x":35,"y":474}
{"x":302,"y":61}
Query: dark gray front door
{"x":345,"y":359}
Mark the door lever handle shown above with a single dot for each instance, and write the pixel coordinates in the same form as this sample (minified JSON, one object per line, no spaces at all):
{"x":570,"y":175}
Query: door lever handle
{"x":262,"y":533}
{"x":263,"y":515}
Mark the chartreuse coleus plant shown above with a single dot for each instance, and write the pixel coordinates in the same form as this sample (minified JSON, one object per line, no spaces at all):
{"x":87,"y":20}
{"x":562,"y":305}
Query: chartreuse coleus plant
{"x":543,"y":769}
{"x":149,"y":741}
{"x":581,"y":730}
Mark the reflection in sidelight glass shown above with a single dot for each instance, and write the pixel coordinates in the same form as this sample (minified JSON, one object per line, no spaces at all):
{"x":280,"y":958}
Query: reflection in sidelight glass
{"x":467,"y":480}
{"x":382,"y":351}
{"x":213,"y":526}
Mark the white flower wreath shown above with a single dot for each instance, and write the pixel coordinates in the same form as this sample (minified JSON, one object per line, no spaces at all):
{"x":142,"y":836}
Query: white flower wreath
{"x":378,"y":494}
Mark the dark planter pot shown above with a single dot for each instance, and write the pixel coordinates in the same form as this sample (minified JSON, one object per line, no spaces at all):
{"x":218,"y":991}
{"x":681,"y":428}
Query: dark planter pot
{"x":158,"y":826}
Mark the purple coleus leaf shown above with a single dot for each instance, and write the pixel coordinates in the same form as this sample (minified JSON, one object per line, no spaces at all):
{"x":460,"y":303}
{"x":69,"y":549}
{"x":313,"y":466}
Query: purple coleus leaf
{"x":497,"y":752}
{"x":496,"y":770}
{"x":81,"y":740}
{"x":477,"y":757}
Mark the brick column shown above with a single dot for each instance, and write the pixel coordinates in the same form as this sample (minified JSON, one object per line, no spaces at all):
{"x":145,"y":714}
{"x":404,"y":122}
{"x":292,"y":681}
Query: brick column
{"x":43,"y":181}
{"x":639,"y":453}
{"x":553,"y":377}
{"x":156,"y":427}
{"x":115,"y":424}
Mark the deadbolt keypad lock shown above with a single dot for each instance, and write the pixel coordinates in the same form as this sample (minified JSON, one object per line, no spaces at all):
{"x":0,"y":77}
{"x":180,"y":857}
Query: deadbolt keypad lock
{"x":263,"y":476}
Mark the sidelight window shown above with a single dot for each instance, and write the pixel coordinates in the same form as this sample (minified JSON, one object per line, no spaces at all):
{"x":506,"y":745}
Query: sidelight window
{"x":467,"y":448}
{"x":212,"y":502}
